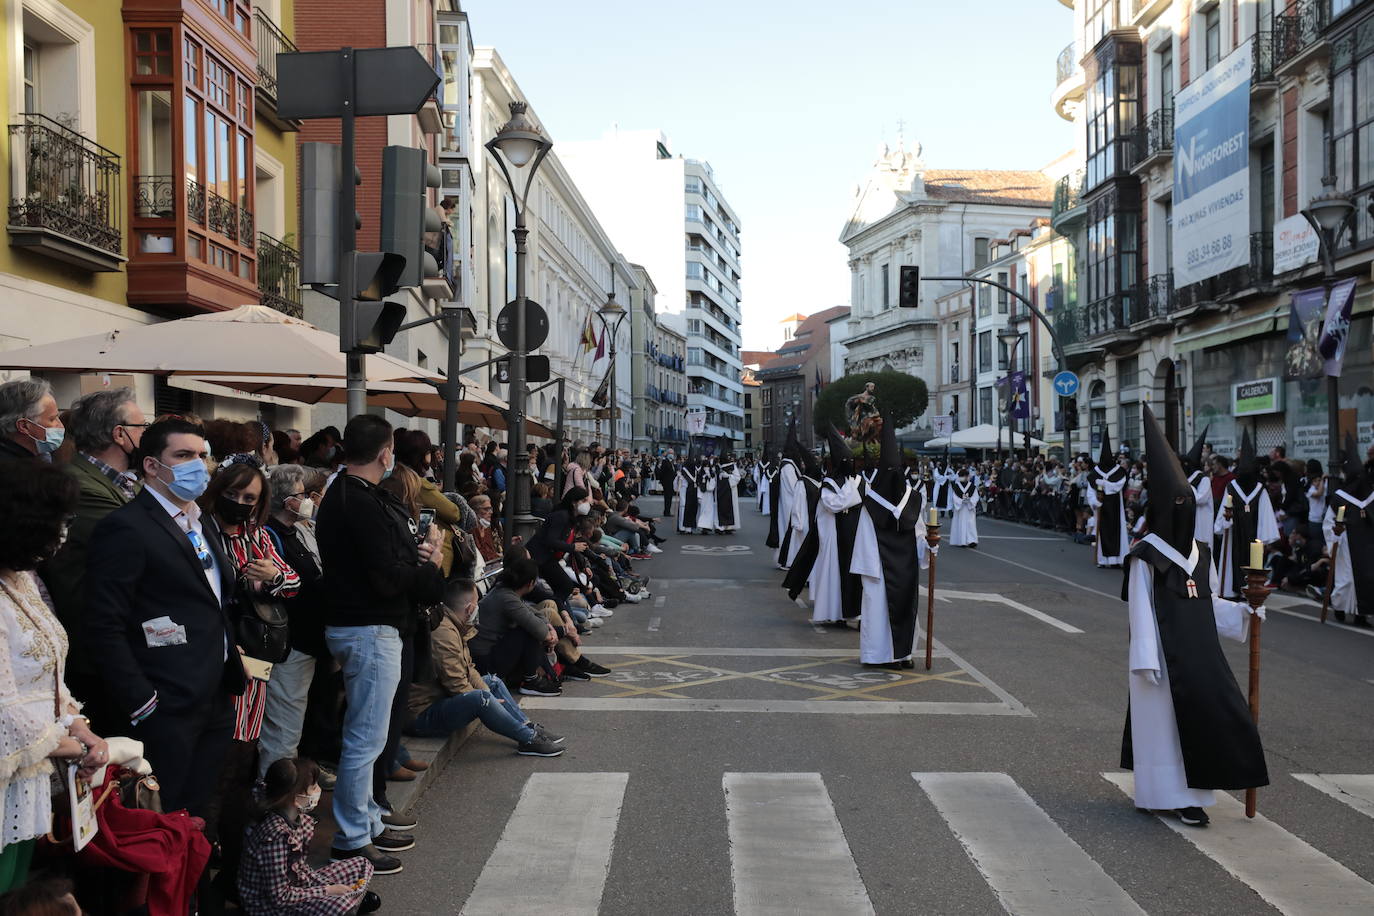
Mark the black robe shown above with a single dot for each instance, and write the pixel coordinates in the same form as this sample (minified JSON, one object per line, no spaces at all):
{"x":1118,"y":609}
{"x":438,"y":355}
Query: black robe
{"x":851,"y":585}
{"x":725,"y":500}
{"x":689,"y":501}
{"x":940,"y":495}
{"x":1244,"y":530}
{"x":772,"y":539}
{"x":799,"y":573}
{"x":896,"y":539}
{"x":1220,"y":743}
{"x":1359,"y":540}
{"x":1109,"y":516}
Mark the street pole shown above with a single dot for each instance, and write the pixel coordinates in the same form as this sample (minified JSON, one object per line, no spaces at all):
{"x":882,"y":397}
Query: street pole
{"x":354,"y":365}
{"x":1329,"y":213}
{"x":454,"y":394}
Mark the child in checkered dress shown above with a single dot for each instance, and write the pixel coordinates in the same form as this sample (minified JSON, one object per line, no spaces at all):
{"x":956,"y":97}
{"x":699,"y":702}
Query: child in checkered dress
{"x":275,"y":878}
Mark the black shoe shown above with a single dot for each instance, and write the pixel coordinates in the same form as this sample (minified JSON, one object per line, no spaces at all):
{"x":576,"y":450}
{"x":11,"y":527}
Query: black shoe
{"x":1193,"y":817}
{"x":610,"y":603}
{"x":547,"y":735}
{"x":540,"y":686}
{"x":382,"y":864}
{"x":570,"y":673}
{"x":1360,"y":620}
{"x":1339,"y":615}
{"x":370,"y":903}
{"x":539,"y":747}
{"x":591,"y":668}
{"x":400,"y":821}
{"x":391,"y":840}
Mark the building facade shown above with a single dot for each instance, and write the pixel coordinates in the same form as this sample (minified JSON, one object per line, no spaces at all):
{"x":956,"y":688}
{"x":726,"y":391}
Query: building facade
{"x":659,"y":372}
{"x":688,"y":236}
{"x":942,"y":220}
{"x":796,"y":374}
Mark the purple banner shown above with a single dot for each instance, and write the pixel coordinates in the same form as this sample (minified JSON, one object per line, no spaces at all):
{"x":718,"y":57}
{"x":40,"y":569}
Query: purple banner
{"x":1336,"y":329}
{"x":1020,"y":396}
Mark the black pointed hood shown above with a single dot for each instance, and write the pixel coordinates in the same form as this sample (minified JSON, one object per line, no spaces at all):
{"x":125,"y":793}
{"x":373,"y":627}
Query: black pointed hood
{"x":791,"y":447}
{"x":841,"y":458}
{"x":1172,"y":505}
{"x":889,"y":454}
{"x":1105,"y":459}
{"x":1247,"y":467}
{"x":1192,"y":459}
{"x":1355,"y":479}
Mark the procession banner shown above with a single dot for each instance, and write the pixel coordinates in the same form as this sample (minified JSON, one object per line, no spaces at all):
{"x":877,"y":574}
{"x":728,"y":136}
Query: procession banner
{"x":1212,"y":171}
{"x":1020,"y":400}
{"x":1306,"y":315}
{"x":1336,"y":329}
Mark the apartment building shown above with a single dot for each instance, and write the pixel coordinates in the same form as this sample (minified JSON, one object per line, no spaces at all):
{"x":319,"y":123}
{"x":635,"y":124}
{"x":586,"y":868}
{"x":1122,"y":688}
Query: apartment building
{"x":658,"y":365}
{"x":1189,"y":330}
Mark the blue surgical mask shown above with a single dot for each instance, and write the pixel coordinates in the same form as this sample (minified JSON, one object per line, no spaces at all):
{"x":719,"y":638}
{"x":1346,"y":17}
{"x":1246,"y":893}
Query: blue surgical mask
{"x":390,"y":467}
{"x":189,"y":479}
{"x":53,"y":437}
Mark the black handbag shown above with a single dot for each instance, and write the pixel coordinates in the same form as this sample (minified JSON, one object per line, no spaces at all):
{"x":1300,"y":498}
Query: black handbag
{"x":260,"y":622}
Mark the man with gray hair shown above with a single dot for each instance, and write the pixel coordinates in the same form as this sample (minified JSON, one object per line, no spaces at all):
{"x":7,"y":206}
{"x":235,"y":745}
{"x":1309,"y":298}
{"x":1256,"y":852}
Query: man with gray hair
{"x":106,"y":427}
{"x":29,"y":423}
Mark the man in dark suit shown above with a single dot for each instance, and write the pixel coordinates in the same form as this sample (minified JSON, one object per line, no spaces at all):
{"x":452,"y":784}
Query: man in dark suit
{"x":666,"y":473}
{"x":106,"y":427}
{"x":157,"y":581}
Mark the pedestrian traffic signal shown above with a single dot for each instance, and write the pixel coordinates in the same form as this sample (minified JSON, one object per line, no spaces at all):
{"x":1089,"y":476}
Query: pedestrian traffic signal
{"x":367,"y":324}
{"x":1070,"y":413}
{"x":407,"y":176}
{"x":321,"y":167}
{"x":909,"y":287}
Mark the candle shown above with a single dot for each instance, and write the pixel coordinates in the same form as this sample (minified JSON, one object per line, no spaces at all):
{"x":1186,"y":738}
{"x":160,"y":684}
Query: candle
{"x":1257,"y":554}
{"x":1227,"y":502}
{"x":934,"y":521}
{"x":1340,"y":515}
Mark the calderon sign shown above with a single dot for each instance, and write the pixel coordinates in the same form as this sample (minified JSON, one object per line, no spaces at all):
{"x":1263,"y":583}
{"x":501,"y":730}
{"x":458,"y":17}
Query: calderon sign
{"x":1264,"y":395}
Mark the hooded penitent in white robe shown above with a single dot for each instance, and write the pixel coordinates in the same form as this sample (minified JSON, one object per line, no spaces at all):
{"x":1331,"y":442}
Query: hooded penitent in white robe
{"x":1110,"y":487}
{"x":1264,"y":524}
{"x":799,"y":519}
{"x":963,"y":524}
{"x":706,"y":499}
{"x":875,"y":634}
{"x":1344,"y":589}
{"x":825,"y":575}
{"x":761,"y":482}
{"x":789,"y":483}
{"x":1205,"y":517}
{"x":730,"y":480}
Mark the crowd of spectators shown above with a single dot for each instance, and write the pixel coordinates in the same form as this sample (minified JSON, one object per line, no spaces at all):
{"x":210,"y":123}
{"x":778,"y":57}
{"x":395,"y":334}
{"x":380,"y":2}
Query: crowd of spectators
{"x":260,"y":617}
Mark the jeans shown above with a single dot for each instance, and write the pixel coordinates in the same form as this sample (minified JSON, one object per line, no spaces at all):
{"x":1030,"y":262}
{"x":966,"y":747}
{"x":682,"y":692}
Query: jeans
{"x":371,"y":661}
{"x":283,"y":714}
{"x":495,"y":707}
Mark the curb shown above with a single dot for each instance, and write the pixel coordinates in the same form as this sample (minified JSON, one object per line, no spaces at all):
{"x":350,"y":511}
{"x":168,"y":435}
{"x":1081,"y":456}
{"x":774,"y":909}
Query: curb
{"x":437,"y":752}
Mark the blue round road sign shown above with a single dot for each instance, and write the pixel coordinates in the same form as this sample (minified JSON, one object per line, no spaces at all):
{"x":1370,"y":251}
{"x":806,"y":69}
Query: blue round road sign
{"x":1066,"y":384}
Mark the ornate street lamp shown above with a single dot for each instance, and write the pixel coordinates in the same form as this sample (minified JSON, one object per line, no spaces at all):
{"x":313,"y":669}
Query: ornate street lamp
{"x":1329,"y":213}
{"x":612,"y":314}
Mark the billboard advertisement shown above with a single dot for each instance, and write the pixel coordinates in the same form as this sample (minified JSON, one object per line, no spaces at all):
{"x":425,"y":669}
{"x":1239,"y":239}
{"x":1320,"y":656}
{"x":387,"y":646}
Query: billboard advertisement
{"x":1212,"y":171}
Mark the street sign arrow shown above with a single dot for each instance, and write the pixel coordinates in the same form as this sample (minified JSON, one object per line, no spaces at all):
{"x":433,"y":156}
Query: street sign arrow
{"x":315,"y":84}
{"x":1066,"y":384}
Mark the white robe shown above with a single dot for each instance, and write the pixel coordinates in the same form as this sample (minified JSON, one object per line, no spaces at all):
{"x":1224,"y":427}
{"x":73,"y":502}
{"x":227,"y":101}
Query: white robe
{"x":825,"y":575}
{"x":799,"y":517}
{"x":1110,"y":487}
{"x":788,"y":483}
{"x":1266,"y":529}
{"x":1343,"y":582}
{"x":875,"y":635}
{"x":761,"y":481}
{"x":706,"y":504}
{"x":680,"y":484}
{"x":1206,"y":516}
{"x":732,"y":481}
{"x":963,"y":524}
{"x":1161,"y":783}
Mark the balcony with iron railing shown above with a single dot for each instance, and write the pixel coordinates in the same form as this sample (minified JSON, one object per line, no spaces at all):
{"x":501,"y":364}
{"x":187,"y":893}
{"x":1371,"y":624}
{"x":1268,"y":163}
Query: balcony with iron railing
{"x":65,"y":195}
{"x":1262,"y":65}
{"x":270,"y":40}
{"x":1067,"y":207}
{"x":430,"y":115}
{"x":1157,"y":304}
{"x":279,"y":275}
{"x":1068,"y":82}
{"x":1255,"y":275}
{"x":1298,"y":35}
{"x":1154,"y":139}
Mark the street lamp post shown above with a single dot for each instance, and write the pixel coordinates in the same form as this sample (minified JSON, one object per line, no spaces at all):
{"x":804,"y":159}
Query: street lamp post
{"x":1009,"y":339}
{"x":612,"y":314}
{"x":1329,"y":213}
{"x":521,"y":144}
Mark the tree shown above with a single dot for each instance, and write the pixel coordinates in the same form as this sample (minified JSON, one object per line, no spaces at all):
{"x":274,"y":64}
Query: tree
{"x":901,"y":398}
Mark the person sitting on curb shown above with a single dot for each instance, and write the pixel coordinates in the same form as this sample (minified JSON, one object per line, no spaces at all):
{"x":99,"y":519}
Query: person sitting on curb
{"x":458,"y":693}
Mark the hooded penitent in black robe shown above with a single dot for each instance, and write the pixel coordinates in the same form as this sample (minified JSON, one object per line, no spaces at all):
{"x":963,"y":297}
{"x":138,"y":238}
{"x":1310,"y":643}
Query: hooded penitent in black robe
{"x":851,"y":586}
{"x":772,"y":539}
{"x":1252,"y":518}
{"x":1352,"y":588}
{"x":726,"y":496}
{"x":690,"y":503}
{"x":800,"y":571}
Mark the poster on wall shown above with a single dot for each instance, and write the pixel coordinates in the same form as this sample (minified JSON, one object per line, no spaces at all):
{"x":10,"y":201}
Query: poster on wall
{"x":1211,"y":214}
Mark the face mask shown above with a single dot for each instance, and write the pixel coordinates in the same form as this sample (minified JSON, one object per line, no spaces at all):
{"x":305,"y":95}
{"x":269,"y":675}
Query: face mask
{"x":584,"y":508}
{"x":306,"y":509}
{"x":51,"y":441}
{"x":484,"y":522}
{"x":307,"y":803}
{"x":189,"y":479}
{"x":390,"y":467}
{"x":234,"y":513}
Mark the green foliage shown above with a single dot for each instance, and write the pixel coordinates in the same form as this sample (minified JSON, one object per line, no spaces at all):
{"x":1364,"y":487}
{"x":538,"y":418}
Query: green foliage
{"x":901,"y":398}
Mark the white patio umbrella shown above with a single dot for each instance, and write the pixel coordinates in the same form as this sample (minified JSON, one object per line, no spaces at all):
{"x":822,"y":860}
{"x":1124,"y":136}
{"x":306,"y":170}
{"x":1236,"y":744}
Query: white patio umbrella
{"x":248,"y":340}
{"x":985,"y":435}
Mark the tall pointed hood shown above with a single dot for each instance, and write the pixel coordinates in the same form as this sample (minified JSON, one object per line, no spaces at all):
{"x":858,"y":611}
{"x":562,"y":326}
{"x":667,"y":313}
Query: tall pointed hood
{"x":841,"y":458}
{"x":1355,"y":480}
{"x":1247,"y":467}
{"x":1192,"y":459}
{"x":1172,"y":505}
{"x":1105,"y":459}
{"x":791,"y":448}
{"x":889,"y":455}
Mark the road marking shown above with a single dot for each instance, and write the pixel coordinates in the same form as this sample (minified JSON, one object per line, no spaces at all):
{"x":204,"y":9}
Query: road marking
{"x":529,"y":873}
{"x":1286,"y":872}
{"x":733,"y":550}
{"x":1005,"y":537}
{"x":993,"y":556}
{"x":991,"y":598}
{"x":1032,"y":865}
{"x":1283,"y":604}
{"x":1352,"y":790}
{"x":653,"y":624}
{"x":788,"y":853}
{"x":659,"y":600}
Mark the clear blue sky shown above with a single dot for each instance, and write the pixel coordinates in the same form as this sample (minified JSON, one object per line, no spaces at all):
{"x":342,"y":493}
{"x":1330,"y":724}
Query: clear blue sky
{"x":788,"y":101}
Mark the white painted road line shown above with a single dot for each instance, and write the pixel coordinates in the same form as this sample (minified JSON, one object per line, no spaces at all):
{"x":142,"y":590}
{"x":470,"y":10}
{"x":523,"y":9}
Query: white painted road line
{"x":660,"y":600}
{"x":653,"y":624}
{"x":822,"y":707}
{"x":553,"y":857}
{"x":1039,"y":572}
{"x":1314,"y":618}
{"x":1285,"y":871}
{"x":788,"y":854}
{"x":1357,"y":791}
{"x":1006,"y":537}
{"x":992,"y":598}
{"x":1031,"y":864}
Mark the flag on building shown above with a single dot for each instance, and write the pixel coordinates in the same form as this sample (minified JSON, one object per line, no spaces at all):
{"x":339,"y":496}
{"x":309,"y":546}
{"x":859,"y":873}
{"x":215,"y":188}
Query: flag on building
{"x":600,"y":346}
{"x":588,"y":335}
{"x":820,"y":385}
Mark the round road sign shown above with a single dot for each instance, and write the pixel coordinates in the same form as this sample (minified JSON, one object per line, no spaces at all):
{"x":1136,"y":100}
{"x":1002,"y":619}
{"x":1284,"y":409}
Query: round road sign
{"x":536,"y":325}
{"x":1066,"y":384}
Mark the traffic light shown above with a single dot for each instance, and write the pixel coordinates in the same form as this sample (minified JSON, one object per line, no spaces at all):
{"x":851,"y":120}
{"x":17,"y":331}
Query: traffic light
{"x":321,"y":167}
{"x":368,"y":324}
{"x":909,"y":287}
{"x":1071,"y":413}
{"x":407,"y":176}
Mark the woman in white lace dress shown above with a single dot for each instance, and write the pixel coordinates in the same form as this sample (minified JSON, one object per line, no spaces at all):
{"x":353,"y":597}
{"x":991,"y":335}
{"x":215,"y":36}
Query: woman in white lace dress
{"x":38,"y":717}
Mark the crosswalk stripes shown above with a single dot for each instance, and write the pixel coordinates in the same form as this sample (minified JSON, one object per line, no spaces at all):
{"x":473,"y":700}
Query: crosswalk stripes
{"x":788,"y":853}
{"x":1030,"y":863}
{"x":1357,"y":791}
{"x":1285,"y":871}
{"x":530,"y":873}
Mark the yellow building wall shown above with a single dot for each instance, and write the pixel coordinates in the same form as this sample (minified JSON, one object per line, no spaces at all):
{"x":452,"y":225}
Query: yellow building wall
{"x":281,"y":145}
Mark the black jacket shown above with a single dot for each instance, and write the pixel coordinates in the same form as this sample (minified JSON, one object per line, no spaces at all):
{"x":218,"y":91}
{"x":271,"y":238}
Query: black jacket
{"x":141,"y":566}
{"x":306,"y":611}
{"x":372,"y":570}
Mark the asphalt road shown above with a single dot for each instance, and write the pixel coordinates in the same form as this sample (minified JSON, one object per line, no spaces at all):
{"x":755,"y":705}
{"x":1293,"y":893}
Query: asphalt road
{"x":659,"y":805}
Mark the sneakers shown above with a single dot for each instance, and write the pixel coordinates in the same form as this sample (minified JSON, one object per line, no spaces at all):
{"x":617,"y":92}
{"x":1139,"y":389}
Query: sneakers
{"x":399,"y":821}
{"x":1193,"y":817}
{"x":539,"y":746}
{"x":540,"y":686}
{"x":591,"y":668}
{"x":570,"y":673}
{"x":633,"y":597}
{"x":640,"y":556}
{"x":390,"y":840}
{"x":654,"y":548}
{"x":382,"y":864}
{"x":595,"y":622}
{"x":326,"y":778}
{"x":600,"y":610}
{"x":1314,"y":593}
{"x":544,"y":733}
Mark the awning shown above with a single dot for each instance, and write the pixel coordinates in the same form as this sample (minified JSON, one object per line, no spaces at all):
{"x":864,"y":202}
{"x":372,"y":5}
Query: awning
{"x":1266,"y":322}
